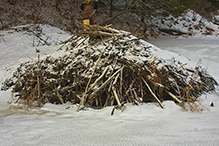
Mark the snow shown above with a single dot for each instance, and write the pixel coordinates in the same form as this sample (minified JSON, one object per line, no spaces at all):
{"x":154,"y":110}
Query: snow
{"x":189,"y":22}
{"x":146,"y":124}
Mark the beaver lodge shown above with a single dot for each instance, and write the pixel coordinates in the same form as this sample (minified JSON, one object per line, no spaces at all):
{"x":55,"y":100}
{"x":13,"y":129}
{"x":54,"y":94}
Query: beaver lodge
{"x":108,"y":67}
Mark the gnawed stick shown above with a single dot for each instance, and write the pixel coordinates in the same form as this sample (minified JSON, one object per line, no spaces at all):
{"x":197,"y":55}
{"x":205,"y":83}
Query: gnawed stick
{"x":152,"y":93}
{"x":59,"y":96}
{"x":105,"y":83}
{"x":38,"y":79}
{"x":115,"y":79}
{"x":104,"y":72}
{"x":114,"y":91}
{"x":174,"y":97}
{"x":97,"y":33}
{"x":133,"y":97}
{"x":120,"y":89}
{"x":116,"y":97}
{"x":136,"y":96}
{"x":129,"y":89}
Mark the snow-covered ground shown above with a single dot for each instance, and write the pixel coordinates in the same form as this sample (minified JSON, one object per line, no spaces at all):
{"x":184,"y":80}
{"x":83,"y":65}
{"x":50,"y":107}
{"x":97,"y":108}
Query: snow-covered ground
{"x":190,"y":23}
{"x":147,"y":124}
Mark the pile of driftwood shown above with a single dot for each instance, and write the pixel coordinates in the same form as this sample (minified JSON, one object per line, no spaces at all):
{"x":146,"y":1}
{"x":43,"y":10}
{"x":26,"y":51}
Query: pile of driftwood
{"x":106,"y":67}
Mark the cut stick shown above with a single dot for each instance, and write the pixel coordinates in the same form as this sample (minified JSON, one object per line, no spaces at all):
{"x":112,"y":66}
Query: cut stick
{"x":152,"y":93}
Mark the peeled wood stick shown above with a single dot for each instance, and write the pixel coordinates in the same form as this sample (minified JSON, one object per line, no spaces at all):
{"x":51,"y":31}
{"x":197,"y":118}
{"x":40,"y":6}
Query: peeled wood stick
{"x":152,"y":92}
{"x":177,"y":87}
{"x":130,"y":87}
{"x":38,"y":80}
{"x":106,"y":60}
{"x":116,"y":97}
{"x":136,"y":96}
{"x":106,"y":82}
{"x":115,"y":79}
{"x":81,"y":42}
{"x":133,"y":97}
{"x":114,"y":91}
{"x":107,"y":26}
{"x":174,"y":97}
{"x":142,"y":92}
{"x":59,"y":96}
{"x":99,"y":77}
{"x":121,"y":83}
{"x":183,"y":65}
{"x":97,"y":33}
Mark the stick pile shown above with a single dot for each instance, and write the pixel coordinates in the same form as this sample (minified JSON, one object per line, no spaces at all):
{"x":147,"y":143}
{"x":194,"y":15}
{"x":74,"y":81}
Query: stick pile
{"x":101,"y":70}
